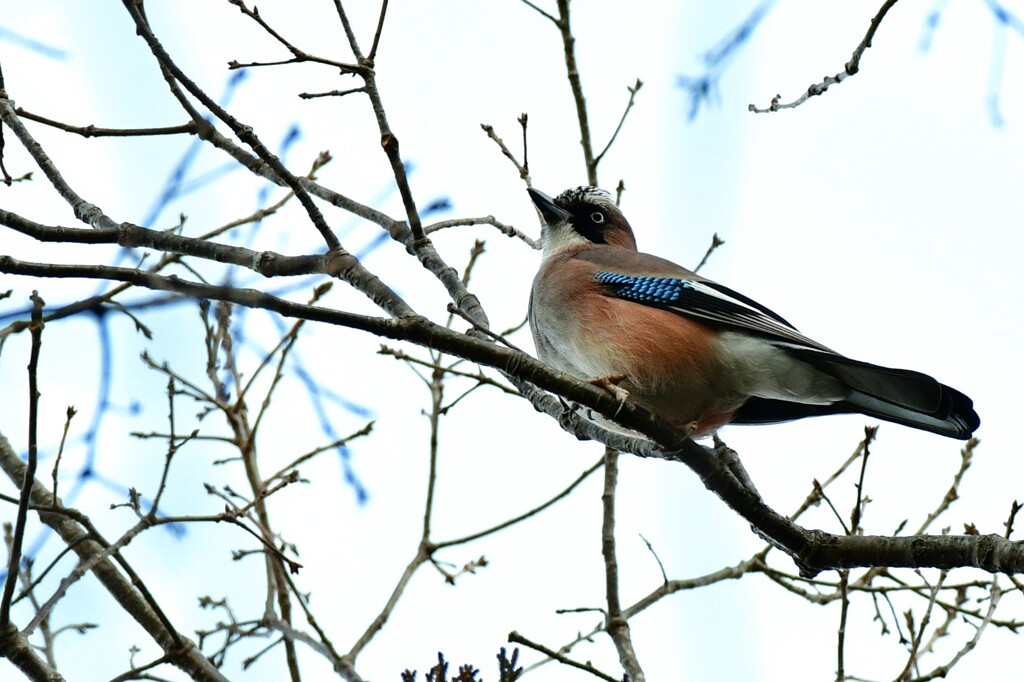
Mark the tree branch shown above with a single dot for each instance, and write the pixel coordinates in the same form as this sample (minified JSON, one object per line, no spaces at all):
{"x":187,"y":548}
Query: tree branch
{"x":617,"y":625}
{"x":87,"y":545}
{"x":813,"y":551}
{"x":28,"y":478}
{"x":851,"y":69}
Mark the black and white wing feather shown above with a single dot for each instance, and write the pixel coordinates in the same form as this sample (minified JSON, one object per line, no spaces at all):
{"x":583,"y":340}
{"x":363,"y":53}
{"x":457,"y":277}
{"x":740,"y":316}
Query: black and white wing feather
{"x":898,"y":395}
{"x":706,"y":301}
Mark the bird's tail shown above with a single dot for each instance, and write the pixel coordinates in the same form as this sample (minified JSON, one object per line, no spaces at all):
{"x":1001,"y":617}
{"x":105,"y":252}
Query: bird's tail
{"x":897,"y":395}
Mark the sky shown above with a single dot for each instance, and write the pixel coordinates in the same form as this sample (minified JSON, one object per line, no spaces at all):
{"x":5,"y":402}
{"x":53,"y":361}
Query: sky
{"x":881,"y":218}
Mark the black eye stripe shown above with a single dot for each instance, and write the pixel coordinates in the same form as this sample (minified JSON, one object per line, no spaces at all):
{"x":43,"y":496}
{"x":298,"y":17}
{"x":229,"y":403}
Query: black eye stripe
{"x":584,"y":223}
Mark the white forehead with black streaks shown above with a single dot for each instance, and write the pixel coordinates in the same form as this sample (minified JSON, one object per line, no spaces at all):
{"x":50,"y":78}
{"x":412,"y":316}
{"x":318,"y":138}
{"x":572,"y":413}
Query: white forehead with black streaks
{"x":585,"y":194}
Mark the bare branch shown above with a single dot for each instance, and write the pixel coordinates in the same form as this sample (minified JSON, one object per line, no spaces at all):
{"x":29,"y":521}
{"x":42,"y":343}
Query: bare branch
{"x":332,"y":93}
{"x":380,"y":28}
{"x":524,"y":172}
{"x":84,"y":211}
{"x":516,"y":638}
{"x":126,"y":588}
{"x":852,"y":67}
{"x":576,"y":85}
{"x":298,"y":55}
{"x":525,"y":515}
{"x":28,"y":478}
{"x":629,"y":105}
{"x":90,"y":130}
{"x":245,"y":133}
{"x":507,"y":230}
{"x":617,"y":625}
{"x":541,"y":12}
{"x":716,"y":241}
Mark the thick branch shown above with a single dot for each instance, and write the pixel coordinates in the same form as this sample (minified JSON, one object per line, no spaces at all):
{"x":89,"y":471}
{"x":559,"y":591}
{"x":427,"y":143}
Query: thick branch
{"x":814,"y":551}
{"x":16,"y":648}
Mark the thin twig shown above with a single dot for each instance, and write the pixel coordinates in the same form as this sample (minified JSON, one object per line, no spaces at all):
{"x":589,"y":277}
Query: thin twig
{"x":479,"y":377}
{"x":941,"y":671}
{"x":521,"y":167}
{"x":14,"y":563}
{"x":852,"y":67}
{"x":483,"y":330}
{"x":125,"y":585}
{"x":244,"y":132}
{"x":1014,"y":509}
{"x":858,"y":508}
{"x":7,"y":179}
{"x":523,"y":119}
{"x":716,"y":241}
{"x":90,"y":130}
{"x":365,"y":431}
{"x":917,"y":634}
{"x":60,"y":449}
{"x":844,"y":578}
{"x":506,"y":230}
{"x":525,"y":515}
{"x":332,"y":93}
{"x":376,"y":35}
{"x":299,"y":55}
{"x":966,"y":455}
{"x":821,"y":495}
{"x":629,"y":105}
{"x":544,"y":14}
{"x":516,"y":638}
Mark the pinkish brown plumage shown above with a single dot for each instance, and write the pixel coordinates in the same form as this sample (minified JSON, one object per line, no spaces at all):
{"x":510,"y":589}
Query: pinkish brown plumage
{"x":692,"y":351}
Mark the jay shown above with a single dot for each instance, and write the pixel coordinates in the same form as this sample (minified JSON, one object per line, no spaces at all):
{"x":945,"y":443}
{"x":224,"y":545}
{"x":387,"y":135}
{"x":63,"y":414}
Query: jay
{"x":692,"y":351}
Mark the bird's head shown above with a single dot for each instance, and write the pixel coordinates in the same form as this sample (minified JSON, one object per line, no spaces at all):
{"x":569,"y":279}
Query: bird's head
{"x":581,"y":216}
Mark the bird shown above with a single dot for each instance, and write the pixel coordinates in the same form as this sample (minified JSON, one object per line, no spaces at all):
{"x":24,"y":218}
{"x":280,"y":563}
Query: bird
{"x":693,"y":352}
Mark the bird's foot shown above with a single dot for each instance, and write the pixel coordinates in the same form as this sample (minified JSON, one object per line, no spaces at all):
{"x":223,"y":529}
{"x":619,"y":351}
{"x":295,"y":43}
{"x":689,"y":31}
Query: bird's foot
{"x":731,"y":459}
{"x":569,"y":418}
{"x":610,"y":383}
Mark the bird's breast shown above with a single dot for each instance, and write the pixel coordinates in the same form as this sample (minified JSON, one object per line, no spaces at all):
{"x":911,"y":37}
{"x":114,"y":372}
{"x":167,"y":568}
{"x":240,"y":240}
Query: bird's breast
{"x":671,"y":363}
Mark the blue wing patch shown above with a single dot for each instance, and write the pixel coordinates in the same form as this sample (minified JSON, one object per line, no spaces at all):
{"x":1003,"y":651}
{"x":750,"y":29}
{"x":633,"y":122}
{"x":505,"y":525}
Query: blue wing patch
{"x":707,"y":301}
{"x":666,"y":290}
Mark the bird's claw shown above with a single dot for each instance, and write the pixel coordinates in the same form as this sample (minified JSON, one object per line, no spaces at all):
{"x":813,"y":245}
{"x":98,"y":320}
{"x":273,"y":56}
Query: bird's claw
{"x":610,"y":383}
{"x":569,"y":418}
{"x":731,"y":459}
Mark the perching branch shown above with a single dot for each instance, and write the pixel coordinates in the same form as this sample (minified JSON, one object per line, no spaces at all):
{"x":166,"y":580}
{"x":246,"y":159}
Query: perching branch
{"x":814,"y":551}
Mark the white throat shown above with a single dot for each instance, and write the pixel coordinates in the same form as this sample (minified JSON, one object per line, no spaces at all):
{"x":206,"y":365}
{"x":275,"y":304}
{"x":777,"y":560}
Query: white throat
{"x":559,"y":238}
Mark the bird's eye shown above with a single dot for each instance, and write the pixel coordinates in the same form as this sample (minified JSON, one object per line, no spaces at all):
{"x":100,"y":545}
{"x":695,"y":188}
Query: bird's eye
{"x":597,"y":217}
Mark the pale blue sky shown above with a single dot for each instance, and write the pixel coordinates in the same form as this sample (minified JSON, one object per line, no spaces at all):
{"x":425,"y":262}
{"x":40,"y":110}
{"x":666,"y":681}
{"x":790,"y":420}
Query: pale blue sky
{"x":882,"y":219}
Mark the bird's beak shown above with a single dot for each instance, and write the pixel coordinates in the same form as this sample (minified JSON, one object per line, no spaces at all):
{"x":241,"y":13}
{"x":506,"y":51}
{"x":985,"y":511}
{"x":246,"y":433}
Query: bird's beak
{"x":549,"y":210}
